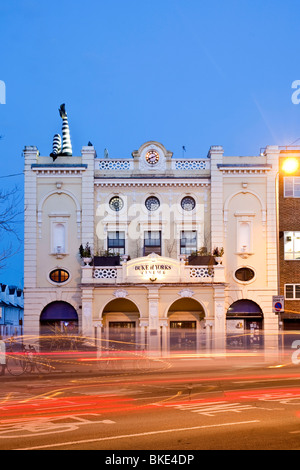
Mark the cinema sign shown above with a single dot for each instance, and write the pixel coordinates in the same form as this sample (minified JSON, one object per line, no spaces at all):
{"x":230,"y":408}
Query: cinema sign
{"x":153,"y":268}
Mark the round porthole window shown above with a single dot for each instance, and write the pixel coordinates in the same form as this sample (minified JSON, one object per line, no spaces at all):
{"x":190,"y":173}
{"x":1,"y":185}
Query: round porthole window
{"x":116,"y":203}
{"x":188,"y":203}
{"x":244,"y":274}
{"x":152,"y":203}
{"x":59,"y":276}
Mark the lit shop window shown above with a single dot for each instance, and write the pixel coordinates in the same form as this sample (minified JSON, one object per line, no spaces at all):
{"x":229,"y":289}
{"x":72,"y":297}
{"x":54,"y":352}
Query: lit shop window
{"x":292,"y":291}
{"x":188,"y":242}
{"x":291,"y":245}
{"x":291,"y":186}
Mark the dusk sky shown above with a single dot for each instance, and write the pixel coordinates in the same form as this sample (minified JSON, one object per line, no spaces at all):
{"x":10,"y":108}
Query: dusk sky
{"x":182,"y":72}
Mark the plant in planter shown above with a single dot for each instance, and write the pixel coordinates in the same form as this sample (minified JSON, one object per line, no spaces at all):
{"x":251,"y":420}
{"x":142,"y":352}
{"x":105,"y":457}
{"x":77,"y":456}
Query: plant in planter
{"x":201,"y":257}
{"x":218,"y":254}
{"x":85,"y":253}
{"x":106,"y":258}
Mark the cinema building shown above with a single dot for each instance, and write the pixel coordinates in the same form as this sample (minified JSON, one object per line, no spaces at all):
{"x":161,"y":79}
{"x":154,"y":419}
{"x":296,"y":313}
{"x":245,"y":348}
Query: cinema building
{"x":152,"y":221}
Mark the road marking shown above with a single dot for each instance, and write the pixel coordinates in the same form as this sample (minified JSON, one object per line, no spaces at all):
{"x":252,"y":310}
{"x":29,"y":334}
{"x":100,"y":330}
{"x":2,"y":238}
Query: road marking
{"x":212,"y":408}
{"x":150,"y":433}
{"x":17,"y":429}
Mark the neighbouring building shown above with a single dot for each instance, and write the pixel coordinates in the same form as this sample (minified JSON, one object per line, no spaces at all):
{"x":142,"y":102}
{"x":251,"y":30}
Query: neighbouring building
{"x":161,"y":216}
{"x":11,"y":311}
{"x":289,"y":244}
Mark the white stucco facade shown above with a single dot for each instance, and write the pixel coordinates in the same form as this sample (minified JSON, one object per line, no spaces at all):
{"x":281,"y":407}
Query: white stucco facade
{"x":70,"y":201}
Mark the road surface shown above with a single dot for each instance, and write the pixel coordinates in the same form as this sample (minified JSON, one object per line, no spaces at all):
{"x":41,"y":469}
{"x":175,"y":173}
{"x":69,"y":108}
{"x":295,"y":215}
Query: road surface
{"x":186,"y":408}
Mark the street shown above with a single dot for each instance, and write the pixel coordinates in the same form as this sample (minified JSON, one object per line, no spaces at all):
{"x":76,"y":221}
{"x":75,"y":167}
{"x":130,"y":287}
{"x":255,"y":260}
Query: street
{"x":189,"y":405}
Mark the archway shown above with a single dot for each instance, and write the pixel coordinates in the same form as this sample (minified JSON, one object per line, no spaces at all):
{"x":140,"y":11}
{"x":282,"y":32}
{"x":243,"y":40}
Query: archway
{"x":244,"y":325}
{"x":186,"y":325}
{"x":121,"y":325}
{"x":58,"y":320}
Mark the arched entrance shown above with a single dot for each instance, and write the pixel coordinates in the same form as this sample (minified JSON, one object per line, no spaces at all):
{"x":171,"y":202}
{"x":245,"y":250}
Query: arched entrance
{"x":186,"y":325}
{"x":58,"y":319}
{"x":121,"y":325}
{"x":244,"y":325}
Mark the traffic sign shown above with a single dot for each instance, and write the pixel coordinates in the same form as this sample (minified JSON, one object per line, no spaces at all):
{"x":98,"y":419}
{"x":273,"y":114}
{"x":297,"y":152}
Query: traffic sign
{"x":278,"y":304}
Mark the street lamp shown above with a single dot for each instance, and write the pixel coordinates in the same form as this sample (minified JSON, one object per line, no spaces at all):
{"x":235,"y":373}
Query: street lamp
{"x":290,"y":165}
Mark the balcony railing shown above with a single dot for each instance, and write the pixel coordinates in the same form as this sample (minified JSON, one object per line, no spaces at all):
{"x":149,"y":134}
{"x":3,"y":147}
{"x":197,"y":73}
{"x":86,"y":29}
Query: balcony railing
{"x":177,"y":164}
{"x":119,"y":275}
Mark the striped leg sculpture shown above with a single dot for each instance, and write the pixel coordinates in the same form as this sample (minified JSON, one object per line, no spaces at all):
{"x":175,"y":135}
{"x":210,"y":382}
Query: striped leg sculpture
{"x":67,"y":146}
{"x":56,"y":146}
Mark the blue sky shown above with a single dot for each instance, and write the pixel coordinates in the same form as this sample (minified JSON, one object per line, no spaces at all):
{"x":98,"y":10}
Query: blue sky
{"x":182,"y":72}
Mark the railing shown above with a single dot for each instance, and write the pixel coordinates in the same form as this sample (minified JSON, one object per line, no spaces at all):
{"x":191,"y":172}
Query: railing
{"x":190,"y":165}
{"x":106,"y":273}
{"x":114,"y":165}
{"x":118,"y":275}
{"x":176,"y":164}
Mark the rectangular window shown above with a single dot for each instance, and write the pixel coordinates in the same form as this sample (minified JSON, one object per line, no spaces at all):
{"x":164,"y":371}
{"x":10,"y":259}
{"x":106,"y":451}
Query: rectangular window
{"x":152,"y":243}
{"x":292,"y":291}
{"x":116,"y":243}
{"x":291,"y":245}
{"x":188,"y":242}
{"x":292,"y":186}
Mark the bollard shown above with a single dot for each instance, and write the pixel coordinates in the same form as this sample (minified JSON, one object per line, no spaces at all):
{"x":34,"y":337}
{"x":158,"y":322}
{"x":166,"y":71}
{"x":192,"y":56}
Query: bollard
{"x":2,"y":357}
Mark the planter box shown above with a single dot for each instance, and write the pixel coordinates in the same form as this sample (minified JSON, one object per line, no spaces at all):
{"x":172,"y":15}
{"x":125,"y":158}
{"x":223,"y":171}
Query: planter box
{"x":107,"y":261}
{"x":202,"y":260}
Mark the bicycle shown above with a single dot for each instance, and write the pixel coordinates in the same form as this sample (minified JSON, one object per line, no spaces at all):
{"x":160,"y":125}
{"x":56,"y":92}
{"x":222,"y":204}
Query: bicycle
{"x":15,"y":360}
{"x":36,"y":361}
{"x":26,"y":360}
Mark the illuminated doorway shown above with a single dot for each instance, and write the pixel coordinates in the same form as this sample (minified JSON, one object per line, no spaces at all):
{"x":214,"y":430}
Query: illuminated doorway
{"x":58,"y":325}
{"x":186,"y":325}
{"x":244,"y":325}
{"x":121,"y":326}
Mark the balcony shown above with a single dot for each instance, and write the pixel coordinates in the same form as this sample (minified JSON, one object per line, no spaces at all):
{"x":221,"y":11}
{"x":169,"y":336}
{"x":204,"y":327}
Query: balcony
{"x":153,"y":269}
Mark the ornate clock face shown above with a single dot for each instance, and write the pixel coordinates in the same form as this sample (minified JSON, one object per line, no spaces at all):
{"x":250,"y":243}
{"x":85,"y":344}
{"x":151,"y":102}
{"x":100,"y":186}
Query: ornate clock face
{"x":152,"y":157}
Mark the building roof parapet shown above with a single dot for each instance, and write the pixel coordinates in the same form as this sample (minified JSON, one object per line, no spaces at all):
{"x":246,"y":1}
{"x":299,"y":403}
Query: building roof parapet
{"x":244,"y":165}
{"x":244,"y":168}
{"x":58,"y":165}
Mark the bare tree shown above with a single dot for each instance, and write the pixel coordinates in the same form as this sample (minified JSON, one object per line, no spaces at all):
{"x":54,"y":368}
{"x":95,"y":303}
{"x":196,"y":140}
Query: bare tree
{"x":10,"y":211}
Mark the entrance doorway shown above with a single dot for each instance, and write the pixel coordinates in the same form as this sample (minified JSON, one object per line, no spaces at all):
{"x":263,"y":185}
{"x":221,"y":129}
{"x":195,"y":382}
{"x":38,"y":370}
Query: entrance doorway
{"x":244,"y":325}
{"x":58,"y":324}
{"x":186,"y":325}
{"x":121,"y":326}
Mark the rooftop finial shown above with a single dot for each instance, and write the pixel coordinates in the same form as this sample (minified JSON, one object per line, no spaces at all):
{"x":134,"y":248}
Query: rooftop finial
{"x":64,"y":150}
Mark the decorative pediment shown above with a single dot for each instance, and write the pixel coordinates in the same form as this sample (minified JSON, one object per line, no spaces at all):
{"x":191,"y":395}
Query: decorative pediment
{"x":121,"y":293}
{"x":186,"y":293}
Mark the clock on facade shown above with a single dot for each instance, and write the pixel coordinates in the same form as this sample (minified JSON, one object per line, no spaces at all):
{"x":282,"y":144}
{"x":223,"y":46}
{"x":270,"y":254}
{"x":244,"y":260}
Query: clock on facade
{"x":152,"y":157}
